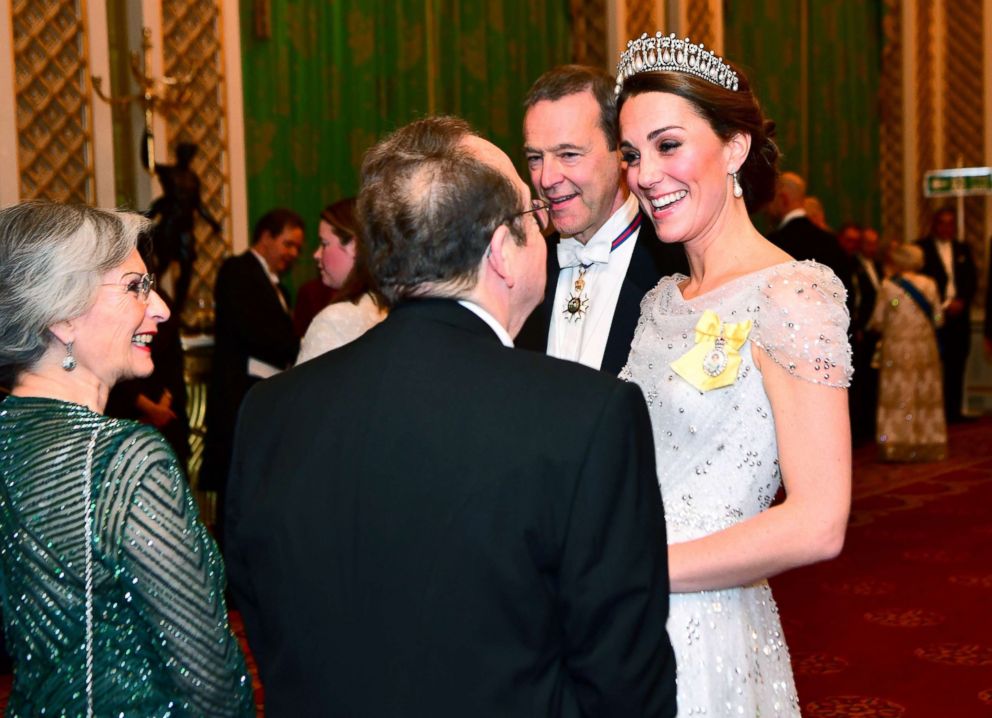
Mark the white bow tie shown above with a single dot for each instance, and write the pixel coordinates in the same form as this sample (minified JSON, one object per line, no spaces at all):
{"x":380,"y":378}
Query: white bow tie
{"x":572,"y":253}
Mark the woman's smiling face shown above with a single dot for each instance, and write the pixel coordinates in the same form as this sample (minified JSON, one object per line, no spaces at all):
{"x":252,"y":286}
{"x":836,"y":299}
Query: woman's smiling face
{"x":676,"y":165}
{"x":112,"y":339}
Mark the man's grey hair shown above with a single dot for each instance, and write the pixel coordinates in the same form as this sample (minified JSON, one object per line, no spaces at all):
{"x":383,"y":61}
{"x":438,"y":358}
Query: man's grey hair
{"x":52,"y":259}
{"x":428,"y":209}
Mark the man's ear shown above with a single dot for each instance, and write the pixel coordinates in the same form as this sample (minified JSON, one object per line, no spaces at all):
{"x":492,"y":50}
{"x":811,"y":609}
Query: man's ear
{"x":498,"y":256}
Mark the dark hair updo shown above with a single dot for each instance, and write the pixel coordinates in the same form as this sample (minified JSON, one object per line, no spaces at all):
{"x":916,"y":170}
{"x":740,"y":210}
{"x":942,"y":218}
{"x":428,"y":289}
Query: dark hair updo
{"x":727,"y":112}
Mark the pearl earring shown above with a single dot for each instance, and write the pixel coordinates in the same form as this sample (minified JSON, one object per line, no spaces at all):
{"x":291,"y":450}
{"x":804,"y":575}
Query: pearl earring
{"x":738,"y":190}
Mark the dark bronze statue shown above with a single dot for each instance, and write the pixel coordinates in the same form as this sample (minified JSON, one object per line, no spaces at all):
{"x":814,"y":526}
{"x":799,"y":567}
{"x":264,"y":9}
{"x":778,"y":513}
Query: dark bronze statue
{"x":173,"y":239}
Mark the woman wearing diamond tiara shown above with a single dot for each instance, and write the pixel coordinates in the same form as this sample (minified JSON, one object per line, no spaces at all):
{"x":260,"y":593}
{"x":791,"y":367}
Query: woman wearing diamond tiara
{"x":744,"y":364}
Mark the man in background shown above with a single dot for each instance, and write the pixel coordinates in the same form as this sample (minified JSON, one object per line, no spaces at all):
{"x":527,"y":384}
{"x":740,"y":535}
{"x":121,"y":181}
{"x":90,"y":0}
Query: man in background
{"x":949,"y":262}
{"x":254,"y":337}
{"x":797,"y":234}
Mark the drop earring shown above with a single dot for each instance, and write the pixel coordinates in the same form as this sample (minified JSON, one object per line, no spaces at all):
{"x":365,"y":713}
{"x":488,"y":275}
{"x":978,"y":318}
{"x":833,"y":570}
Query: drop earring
{"x":69,"y":362}
{"x":738,"y":190}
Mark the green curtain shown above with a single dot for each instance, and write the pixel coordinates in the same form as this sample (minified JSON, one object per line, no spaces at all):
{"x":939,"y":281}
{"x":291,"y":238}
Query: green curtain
{"x":815,"y":66}
{"x":336,"y":76}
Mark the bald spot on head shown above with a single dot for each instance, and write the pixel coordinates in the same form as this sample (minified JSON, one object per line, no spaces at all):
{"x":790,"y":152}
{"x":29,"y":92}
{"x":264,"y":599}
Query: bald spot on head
{"x":490,"y":154}
{"x":792,"y":186}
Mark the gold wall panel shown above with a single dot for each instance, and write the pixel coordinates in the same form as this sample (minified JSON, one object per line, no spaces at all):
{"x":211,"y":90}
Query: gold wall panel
{"x":640,"y":18}
{"x":926,"y":104}
{"x":54,"y":121}
{"x":192,"y":46}
{"x":700,"y":23}
{"x":963,"y":104}
{"x":892,"y":118}
{"x":589,"y":32}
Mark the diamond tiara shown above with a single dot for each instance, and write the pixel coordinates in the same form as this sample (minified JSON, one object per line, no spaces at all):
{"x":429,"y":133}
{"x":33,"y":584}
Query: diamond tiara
{"x":658,"y":53}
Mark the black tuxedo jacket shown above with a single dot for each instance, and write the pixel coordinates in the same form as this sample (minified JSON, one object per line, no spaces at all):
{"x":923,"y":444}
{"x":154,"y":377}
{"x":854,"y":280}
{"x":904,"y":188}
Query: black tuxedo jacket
{"x":804,"y":240}
{"x":250,"y":322}
{"x":862,"y":295}
{"x":988,"y":302}
{"x":652,"y":259}
{"x":427,"y":523}
{"x":965,"y":272}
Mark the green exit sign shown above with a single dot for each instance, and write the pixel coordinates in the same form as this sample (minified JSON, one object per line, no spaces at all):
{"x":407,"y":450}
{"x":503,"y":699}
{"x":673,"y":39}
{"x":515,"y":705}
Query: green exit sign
{"x":958,"y":182}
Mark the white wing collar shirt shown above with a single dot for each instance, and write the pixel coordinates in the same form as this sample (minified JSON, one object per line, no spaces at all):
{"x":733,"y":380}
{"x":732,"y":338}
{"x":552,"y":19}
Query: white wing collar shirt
{"x":589,"y":286}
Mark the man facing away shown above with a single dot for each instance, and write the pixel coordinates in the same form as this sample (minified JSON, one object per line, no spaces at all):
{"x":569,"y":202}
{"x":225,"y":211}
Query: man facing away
{"x":604,"y":255}
{"x":798,"y":235}
{"x":426,"y":522}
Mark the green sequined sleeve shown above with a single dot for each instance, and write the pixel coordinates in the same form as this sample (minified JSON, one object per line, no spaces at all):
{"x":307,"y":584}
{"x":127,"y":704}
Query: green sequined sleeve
{"x":177,"y":577}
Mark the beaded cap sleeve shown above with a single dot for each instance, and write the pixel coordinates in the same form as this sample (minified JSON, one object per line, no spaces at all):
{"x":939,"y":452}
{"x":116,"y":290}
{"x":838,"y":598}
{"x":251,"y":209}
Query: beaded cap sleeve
{"x":802,"y":322}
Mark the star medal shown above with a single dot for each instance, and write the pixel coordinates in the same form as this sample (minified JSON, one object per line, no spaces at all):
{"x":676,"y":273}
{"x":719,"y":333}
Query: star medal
{"x":715,"y":360}
{"x":578,"y":303}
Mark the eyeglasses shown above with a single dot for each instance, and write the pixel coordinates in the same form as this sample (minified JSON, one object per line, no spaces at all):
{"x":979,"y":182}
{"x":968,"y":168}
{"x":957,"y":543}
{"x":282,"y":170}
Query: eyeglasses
{"x":541,"y":211}
{"x":140,"y":285}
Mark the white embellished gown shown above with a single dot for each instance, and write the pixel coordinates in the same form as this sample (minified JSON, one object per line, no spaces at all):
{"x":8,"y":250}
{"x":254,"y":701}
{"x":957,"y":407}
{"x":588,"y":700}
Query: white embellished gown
{"x":718,"y":464}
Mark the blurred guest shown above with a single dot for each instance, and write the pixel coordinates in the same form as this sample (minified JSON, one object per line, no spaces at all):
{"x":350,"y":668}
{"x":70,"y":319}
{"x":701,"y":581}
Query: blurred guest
{"x":949,"y":263}
{"x":797,"y":234}
{"x":254,"y":336}
{"x":987,"y":328}
{"x":861,"y":304}
{"x":815,"y":212}
{"x":112,"y":586}
{"x":343,"y":263}
{"x":865,"y":283}
{"x":910,"y":423}
{"x":312,"y":296}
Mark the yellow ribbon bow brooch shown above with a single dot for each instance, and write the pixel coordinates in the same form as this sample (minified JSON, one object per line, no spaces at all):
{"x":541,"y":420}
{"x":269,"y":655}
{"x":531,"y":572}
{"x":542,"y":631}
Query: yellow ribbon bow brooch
{"x":715,"y":360}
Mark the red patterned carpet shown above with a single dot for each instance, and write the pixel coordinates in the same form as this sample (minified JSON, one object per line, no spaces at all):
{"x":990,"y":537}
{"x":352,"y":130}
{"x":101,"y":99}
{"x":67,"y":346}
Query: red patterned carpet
{"x":897,"y":627}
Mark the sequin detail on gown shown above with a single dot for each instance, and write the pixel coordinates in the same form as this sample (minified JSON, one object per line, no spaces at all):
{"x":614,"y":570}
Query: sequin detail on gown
{"x":161,"y":645}
{"x":717,"y":465}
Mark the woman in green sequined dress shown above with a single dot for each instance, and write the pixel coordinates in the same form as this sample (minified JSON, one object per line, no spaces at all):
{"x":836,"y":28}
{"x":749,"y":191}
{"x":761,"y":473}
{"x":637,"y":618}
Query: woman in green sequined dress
{"x":112,"y":589}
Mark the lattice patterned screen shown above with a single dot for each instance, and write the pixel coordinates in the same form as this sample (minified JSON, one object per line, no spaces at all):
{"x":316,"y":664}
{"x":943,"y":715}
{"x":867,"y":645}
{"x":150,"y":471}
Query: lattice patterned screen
{"x":191,"y":45}
{"x":700,"y":23}
{"x":926,"y":104}
{"x":963,"y":132}
{"x":640,"y":18}
{"x":54,"y":122}
{"x":589,"y":31}
{"x":892,"y":133}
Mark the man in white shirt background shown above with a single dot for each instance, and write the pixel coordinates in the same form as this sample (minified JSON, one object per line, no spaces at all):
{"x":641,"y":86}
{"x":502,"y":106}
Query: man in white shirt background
{"x":603,"y":256}
{"x":253,"y":337}
{"x":950,"y":264}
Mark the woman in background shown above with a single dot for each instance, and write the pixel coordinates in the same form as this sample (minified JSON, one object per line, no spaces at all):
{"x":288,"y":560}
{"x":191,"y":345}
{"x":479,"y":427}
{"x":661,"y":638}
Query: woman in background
{"x":911,"y":425}
{"x":112,"y":590}
{"x":342,"y":263}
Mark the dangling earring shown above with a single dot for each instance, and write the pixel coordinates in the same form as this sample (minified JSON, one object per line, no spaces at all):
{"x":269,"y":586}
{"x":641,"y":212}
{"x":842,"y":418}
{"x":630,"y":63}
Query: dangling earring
{"x":738,"y":190}
{"x":69,"y":363}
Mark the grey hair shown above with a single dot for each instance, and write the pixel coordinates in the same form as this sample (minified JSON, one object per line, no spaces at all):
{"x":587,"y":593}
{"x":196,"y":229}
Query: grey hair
{"x":907,"y":257}
{"x":52,"y":260}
